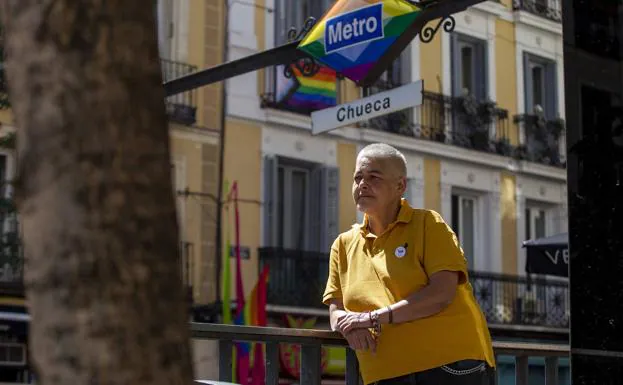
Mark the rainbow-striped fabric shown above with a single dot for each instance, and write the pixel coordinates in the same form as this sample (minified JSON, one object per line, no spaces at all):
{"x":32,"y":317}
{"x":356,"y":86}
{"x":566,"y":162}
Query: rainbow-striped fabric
{"x":355,"y":34}
{"x":306,"y":94}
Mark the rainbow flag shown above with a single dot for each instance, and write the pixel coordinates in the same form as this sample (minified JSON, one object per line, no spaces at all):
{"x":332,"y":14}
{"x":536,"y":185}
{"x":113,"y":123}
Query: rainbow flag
{"x":307,"y":94}
{"x":355,"y":34}
{"x":256,"y":315}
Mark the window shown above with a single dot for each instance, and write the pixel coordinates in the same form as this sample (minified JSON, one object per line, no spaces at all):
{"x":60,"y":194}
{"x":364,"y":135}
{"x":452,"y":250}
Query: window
{"x":164,"y":17}
{"x":536,"y":223}
{"x":464,"y":224}
{"x":469,"y":66}
{"x":294,"y":13}
{"x":300,"y":204}
{"x":293,"y":217}
{"x":540,"y":84}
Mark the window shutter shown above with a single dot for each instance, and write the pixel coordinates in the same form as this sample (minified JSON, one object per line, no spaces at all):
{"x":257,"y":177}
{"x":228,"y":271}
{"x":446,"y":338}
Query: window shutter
{"x":482,"y":71}
{"x":455,"y":65}
{"x":528,"y":92}
{"x":551,"y":91}
{"x":316,"y":208}
{"x":270,"y":200}
{"x":330,"y":207}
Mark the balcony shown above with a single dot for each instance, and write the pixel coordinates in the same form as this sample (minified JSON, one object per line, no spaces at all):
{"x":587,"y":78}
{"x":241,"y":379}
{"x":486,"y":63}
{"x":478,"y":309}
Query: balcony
{"x":310,"y":348}
{"x":540,"y":139}
{"x":298,"y":279}
{"x":459,"y":121}
{"x":549,"y":9}
{"x":181,"y":108}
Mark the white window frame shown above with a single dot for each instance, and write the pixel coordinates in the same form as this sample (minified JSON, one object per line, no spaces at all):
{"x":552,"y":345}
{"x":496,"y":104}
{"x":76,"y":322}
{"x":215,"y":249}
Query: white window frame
{"x":478,"y":260}
{"x":548,"y":211}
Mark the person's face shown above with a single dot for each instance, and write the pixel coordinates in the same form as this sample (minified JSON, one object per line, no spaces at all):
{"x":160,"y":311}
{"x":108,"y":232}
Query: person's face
{"x":376,"y":185}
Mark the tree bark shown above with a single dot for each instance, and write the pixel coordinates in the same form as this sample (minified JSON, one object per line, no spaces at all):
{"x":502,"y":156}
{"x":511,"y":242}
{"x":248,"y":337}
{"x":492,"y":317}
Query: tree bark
{"x":94,"y":193}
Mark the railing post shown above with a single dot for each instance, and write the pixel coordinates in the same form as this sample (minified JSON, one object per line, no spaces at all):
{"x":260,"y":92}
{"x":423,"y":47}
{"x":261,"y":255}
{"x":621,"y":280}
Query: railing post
{"x":494,"y":373}
{"x":272,"y":363}
{"x":310,"y":364}
{"x":551,"y":371}
{"x":352,"y":368}
{"x":521,"y":370}
{"x":225,"y":351}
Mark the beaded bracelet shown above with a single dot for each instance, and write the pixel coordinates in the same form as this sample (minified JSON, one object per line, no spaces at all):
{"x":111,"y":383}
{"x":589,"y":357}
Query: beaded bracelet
{"x":374,"y":321}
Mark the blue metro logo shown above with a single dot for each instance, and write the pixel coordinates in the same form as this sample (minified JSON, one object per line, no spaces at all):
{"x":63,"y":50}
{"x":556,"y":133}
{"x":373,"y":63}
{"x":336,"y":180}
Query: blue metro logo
{"x":348,"y":29}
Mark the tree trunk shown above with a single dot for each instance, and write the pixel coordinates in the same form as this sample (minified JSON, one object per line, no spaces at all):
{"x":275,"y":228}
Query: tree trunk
{"x":94,"y":193}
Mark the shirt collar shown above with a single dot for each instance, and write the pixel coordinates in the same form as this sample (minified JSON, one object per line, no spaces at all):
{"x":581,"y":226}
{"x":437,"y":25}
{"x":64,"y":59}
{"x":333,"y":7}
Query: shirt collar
{"x":404,"y":216}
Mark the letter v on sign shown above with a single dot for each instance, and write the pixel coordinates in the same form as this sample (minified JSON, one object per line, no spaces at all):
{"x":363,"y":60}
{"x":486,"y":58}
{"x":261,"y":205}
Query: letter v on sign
{"x":383,"y":103}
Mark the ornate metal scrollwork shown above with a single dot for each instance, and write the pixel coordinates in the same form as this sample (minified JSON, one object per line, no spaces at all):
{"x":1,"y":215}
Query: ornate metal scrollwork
{"x":428,"y":33}
{"x":307,"y":65}
{"x":294,"y":35}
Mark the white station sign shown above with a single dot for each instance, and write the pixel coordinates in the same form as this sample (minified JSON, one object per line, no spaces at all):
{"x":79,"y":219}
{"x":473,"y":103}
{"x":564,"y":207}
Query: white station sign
{"x":383,"y":103}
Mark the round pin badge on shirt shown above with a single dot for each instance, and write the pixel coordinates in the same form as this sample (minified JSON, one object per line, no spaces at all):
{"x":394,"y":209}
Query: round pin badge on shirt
{"x":400,"y":251}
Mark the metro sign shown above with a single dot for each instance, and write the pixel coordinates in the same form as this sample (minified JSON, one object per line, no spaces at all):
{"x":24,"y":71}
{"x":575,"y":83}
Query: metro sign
{"x":360,"y":38}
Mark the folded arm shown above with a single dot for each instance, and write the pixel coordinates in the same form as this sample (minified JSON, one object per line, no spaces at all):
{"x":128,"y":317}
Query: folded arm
{"x":426,"y":302}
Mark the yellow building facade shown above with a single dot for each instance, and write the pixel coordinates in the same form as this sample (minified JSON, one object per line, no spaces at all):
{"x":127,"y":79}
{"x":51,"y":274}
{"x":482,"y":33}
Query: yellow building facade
{"x":497,"y":175}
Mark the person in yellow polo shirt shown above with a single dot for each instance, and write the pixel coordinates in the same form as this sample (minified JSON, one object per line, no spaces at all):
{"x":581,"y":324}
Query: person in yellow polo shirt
{"x":398,"y":287}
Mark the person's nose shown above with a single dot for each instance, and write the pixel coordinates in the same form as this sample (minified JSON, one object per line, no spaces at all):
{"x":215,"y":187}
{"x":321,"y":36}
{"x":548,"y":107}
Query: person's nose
{"x":363,"y":185}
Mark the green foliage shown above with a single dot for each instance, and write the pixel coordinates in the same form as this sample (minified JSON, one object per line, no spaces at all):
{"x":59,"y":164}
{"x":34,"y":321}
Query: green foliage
{"x":8,"y":141}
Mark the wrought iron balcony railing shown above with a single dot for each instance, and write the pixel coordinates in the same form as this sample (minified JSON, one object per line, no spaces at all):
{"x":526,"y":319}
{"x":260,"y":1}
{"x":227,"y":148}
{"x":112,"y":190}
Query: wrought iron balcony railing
{"x":182,"y":107}
{"x":549,"y":9}
{"x":540,"y":139}
{"x":459,"y":121}
{"x":298,"y":279}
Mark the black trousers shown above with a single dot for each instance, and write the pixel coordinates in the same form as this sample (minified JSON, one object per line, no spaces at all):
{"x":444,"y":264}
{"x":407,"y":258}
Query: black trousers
{"x":466,"y":372}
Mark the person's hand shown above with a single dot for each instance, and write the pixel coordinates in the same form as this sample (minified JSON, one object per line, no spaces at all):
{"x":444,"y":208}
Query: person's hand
{"x":361,"y":339}
{"x":351,"y":321}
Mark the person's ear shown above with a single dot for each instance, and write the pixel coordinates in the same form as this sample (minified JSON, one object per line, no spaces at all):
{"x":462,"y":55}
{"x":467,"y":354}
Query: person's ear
{"x":402,"y":185}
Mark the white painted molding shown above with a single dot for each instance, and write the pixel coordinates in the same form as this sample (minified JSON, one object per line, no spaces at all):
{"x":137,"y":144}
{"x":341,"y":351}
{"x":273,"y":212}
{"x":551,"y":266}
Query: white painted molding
{"x":446,"y":202}
{"x":521,"y":231}
{"x":538,"y":22}
{"x":417,"y":192}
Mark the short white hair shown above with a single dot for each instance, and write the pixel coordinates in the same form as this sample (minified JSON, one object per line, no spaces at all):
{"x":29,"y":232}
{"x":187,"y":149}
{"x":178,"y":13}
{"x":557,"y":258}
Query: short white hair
{"x":385,"y":151}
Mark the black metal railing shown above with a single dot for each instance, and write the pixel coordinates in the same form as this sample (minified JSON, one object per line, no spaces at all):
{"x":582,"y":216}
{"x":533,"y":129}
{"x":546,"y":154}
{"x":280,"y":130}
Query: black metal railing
{"x":540,"y":139}
{"x":313,"y":341}
{"x":298,"y":279}
{"x":459,"y":121}
{"x":513,"y":300}
{"x":182,"y":107}
{"x":549,"y":9}
{"x":300,"y":94}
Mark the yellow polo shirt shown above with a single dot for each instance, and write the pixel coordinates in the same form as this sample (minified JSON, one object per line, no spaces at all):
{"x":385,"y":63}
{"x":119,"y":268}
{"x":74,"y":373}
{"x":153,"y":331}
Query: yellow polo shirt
{"x":368,"y":273}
